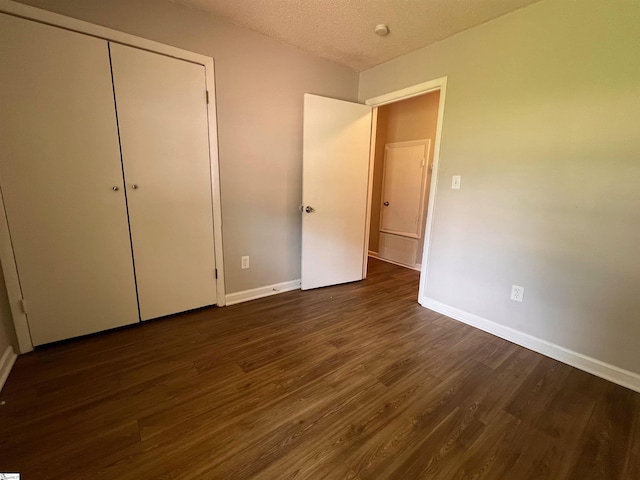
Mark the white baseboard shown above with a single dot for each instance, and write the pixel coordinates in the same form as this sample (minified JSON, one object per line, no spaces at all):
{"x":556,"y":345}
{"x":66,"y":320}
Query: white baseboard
{"x":591,"y":365}
{"x":6,"y":363}
{"x":255,"y":293}
{"x":377,"y":256}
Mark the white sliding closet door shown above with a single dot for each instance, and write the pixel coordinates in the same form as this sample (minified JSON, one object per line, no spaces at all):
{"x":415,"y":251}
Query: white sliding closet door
{"x":62,"y":183}
{"x":162,"y":113}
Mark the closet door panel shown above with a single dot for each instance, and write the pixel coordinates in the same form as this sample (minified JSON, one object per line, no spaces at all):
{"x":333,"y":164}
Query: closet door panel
{"x":162,"y":114}
{"x":60,"y":164}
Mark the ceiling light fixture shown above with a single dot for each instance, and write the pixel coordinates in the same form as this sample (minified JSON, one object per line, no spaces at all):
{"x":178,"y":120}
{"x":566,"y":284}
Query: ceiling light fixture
{"x":381,"y":30}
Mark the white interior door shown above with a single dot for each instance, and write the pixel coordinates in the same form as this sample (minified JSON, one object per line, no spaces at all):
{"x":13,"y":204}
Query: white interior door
{"x":403,"y":189}
{"x":335,"y":177}
{"x":162,"y":114}
{"x":62,"y":184}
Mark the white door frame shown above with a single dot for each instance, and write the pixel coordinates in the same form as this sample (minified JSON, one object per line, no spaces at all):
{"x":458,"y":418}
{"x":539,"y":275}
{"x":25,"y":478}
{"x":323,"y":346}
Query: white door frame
{"x":9,"y":267}
{"x":392,"y":97}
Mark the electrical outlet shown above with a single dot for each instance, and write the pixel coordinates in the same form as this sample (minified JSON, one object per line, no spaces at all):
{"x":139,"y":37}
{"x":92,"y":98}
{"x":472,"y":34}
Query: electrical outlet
{"x":455,"y":182}
{"x":244,"y":262}
{"x":517,"y":293}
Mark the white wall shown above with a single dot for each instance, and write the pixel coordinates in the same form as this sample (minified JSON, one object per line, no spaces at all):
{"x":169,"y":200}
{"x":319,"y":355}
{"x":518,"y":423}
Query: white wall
{"x":260,"y":87}
{"x":541,"y":121}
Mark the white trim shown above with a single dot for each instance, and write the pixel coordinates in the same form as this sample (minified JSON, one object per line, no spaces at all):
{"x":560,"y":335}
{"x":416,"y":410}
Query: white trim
{"x":416,"y":267}
{"x":591,"y":365}
{"x":12,"y":282}
{"x":426,"y":248}
{"x":408,"y":143}
{"x":6,"y":363}
{"x":6,"y":249}
{"x":409,"y":92}
{"x":215,"y":181}
{"x":261,"y":292}
{"x":372,"y":158}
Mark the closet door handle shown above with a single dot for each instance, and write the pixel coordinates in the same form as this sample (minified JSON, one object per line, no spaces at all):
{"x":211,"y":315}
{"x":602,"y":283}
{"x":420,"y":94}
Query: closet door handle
{"x":386,"y":204}
{"x":115,"y":188}
{"x":134,"y":186}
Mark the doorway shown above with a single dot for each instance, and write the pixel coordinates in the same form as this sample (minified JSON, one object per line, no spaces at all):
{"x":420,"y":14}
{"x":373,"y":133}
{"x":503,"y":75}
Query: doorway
{"x":337,"y":204}
{"x":402,"y":162}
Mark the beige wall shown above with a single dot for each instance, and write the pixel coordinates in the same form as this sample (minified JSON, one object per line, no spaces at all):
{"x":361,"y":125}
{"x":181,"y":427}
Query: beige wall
{"x":260,"y":84}
{"x":412,"y":119}
{"x":541,"y":121}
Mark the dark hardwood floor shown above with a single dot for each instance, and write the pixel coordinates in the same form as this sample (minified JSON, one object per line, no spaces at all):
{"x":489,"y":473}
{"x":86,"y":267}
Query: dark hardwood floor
{"x":349,"y":382}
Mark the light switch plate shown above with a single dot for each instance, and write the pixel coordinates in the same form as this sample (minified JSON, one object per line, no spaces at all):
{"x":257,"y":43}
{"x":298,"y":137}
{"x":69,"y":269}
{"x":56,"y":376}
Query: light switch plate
{"x":455,"y":182}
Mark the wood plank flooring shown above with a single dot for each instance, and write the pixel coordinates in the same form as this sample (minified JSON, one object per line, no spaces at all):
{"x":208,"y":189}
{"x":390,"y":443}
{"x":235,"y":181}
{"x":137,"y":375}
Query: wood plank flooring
{"x":350,"y":382}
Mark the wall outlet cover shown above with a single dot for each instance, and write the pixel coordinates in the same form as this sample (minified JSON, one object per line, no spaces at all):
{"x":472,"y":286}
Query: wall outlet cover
{"x":517,"y":293}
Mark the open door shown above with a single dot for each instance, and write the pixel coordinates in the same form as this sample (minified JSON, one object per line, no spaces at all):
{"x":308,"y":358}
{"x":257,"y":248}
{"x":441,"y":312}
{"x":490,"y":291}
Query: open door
{"x":335,"y":175}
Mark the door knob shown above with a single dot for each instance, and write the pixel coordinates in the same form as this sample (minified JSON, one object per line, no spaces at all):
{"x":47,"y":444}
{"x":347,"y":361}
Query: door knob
{"x":309,"y":209}
{"x":386,"y":204}
{"x":115,"y":188}
{"x":134,"y":186}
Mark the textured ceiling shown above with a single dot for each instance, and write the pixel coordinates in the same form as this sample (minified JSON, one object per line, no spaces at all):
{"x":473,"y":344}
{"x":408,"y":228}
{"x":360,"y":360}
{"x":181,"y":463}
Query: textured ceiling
{"x":342,"y":30}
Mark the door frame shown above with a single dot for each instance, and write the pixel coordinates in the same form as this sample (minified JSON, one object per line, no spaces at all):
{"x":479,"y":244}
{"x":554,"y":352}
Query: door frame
{"x":392,"y":97}
{"x":9,"y":268}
